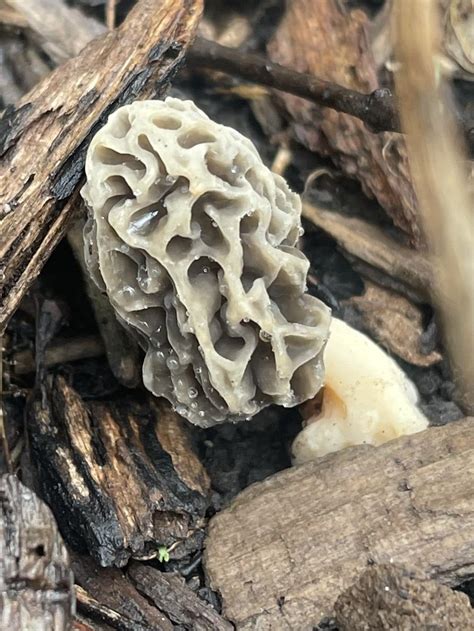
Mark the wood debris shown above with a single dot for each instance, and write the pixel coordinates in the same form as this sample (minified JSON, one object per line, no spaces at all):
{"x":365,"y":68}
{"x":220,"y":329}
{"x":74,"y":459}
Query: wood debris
{"x":36,"y":590}
{"x":388,"y":597}
{"x":112,"y":480}
{"x":371,"y":245}
{"x":63,"y":110}
{"x":287,"y":547}
{"x":324,"y":39}
{"x":168,"y":592}
{"x":395,"y":323}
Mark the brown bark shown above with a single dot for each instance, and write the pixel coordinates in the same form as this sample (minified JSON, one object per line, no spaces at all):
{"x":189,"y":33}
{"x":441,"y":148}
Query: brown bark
{"x":395,"y":323}
{"x":44,"y":138}
{"x":36,"y":590}
{"x":324,"y":39}
{"x":287,"y":547}
{"x":387,"y":597}
{"x":110,"y":588}
{"x":371,"y":245}
{"x":170,"y":594}
{"x":115,"y":485}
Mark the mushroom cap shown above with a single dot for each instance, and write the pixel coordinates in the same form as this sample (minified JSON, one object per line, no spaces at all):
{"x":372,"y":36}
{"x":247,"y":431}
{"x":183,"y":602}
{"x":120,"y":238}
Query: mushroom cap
{"x":194,"y":240}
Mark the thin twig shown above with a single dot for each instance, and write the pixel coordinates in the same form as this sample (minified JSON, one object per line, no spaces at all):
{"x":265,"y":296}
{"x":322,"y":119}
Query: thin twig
{"x":110,"y":8}
{"x":377,"y":109}
{"x":60,"y":352}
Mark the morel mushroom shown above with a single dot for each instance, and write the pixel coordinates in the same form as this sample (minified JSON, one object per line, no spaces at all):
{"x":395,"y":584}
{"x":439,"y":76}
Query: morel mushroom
{"x":194,"y":241}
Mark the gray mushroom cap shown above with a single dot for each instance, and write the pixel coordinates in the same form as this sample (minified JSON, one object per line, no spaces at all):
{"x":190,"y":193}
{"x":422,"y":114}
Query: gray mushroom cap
{"x":194,"y":240}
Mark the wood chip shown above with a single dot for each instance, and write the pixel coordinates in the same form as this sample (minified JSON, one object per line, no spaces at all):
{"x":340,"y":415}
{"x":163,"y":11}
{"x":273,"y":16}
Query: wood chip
{"x":44,"y":138}
{"x":395,"y":323}
{"x":110,"y":587}
{"x":110,"y":481}
{"x":36,"y":588}
{"x":371,"y":244}
{"x":325,"y":39}
{"x":170,"y":594}
{"x":388,"y":597}
{"x":287,"y":547}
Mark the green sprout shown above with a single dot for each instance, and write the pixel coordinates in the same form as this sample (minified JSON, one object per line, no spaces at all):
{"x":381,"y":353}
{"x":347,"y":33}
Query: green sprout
{"x":163,"y":554}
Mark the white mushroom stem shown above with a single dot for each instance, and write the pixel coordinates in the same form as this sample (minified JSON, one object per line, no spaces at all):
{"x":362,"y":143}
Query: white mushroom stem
{"x":367,"y":398}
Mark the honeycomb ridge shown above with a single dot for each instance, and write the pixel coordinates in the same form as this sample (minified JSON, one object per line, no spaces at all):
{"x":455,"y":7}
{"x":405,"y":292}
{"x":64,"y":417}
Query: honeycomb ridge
{"x":194,"y":240}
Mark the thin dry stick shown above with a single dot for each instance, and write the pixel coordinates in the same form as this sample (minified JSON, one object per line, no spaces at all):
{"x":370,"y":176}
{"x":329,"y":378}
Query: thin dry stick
{"x":110,"y":8}
{"x":23,"y":362}
{"x":438,"y":164}
{"x":377,"y":110}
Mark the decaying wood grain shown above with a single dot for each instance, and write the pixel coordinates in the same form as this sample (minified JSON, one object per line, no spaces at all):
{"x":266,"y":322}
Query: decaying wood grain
{"x":373,"y":246}
{"x":36,"y":589}
{"x":387,"y":597}
{"x":117,"y":490}
{"x":325,"y":39}
{"x":111,"y":588}
{"x":105,"y":615}
{"x":395,"y":323}
{"x":170,"y":594}
{"x":44,"y":138}
{"x":287,"y":547}
{"x":62,"y":31}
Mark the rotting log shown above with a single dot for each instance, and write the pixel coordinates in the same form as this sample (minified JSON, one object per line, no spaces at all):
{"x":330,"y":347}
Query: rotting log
{"x":44,"y":138}
{"x":36,"y":587}
{"x":122,"y":479}
{"x":287,"y":547}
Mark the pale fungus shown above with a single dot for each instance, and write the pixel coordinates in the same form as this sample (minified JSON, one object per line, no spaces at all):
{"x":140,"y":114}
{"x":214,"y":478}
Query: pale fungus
{"x":194,"y":241}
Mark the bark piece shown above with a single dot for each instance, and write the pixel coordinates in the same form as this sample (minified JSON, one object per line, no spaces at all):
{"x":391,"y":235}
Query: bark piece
{"x":373,"y":246}
{"x":387,"y":597}
{"x":62,"y":31}
{"x":109,"y":479}
{"x":44,"y":138}
{"x":171,"y":595}
{"x":104,"y":615}
{"x":324,"y":39}
{"x":36,"y":589}
{"x":110,"y":587}
{"x":395,"y":322}
{"x":285,"y":549}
